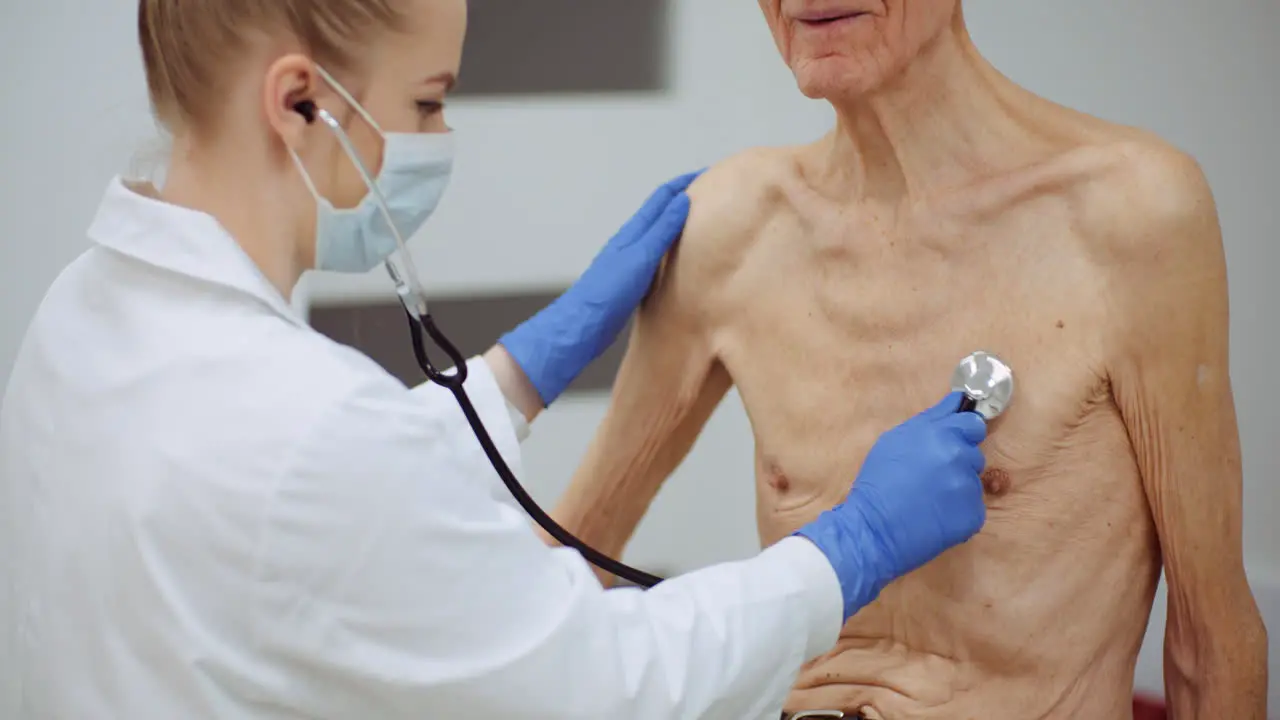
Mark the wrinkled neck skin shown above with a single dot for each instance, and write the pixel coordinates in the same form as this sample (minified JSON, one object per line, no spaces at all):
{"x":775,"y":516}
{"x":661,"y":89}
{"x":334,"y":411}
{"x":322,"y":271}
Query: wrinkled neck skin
{"x":251,"y":198}
{"x":947,"y":119}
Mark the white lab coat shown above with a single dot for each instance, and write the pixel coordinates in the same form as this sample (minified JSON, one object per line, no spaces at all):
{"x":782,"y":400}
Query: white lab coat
{"x":212,"y":511}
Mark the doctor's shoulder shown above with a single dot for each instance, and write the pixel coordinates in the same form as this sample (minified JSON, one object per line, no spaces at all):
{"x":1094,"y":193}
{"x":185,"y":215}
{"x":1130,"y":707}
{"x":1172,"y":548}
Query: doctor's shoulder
{"x":320,"y":380}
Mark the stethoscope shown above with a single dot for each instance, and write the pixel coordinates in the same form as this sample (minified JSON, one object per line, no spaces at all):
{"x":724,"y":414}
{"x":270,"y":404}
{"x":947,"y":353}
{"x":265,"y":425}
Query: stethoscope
{"x":420,"y":323}
{"x":985,"y":380}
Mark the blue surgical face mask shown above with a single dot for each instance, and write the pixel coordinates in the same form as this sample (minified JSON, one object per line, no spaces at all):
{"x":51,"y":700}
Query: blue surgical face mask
{"x":415,"y":171}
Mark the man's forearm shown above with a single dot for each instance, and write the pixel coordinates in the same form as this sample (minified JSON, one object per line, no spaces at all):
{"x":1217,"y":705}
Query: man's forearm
{"x":1228,"y":681}
{"x":578,"y":519}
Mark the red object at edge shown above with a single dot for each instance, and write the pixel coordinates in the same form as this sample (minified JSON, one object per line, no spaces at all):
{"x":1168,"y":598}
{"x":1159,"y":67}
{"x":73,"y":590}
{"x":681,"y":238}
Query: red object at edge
{"x":1148,"y":709}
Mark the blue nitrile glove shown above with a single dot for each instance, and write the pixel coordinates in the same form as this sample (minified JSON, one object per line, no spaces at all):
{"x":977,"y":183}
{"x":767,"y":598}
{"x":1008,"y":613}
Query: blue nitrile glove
{"x":558,"y":343}
{"x":918,"y":493}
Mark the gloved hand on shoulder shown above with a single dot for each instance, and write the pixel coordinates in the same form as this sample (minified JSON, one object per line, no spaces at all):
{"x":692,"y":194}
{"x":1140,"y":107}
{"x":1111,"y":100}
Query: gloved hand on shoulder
{"x":918,"y":494}
{"x":558,"y":343}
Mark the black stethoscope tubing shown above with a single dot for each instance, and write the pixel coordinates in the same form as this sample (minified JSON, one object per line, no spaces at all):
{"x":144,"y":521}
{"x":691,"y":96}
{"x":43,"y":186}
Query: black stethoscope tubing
{"x":453,"y":382}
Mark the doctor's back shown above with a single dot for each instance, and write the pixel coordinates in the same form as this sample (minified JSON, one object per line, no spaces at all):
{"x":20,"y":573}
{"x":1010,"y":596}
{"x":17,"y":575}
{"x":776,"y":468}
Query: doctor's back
{"x":151,"y":410}
{"x":210,"y":510}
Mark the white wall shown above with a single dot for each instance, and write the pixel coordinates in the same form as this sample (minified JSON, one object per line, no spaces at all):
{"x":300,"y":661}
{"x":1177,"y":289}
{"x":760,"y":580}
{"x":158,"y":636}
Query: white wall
{"x":547,"y":181}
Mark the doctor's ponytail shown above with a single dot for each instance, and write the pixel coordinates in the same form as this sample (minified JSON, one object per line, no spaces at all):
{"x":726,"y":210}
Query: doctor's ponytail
{"x":190,"y":47}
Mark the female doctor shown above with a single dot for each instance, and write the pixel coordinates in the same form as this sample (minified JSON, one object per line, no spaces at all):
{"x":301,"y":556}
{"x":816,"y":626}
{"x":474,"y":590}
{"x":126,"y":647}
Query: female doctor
{"x":211,"y":511}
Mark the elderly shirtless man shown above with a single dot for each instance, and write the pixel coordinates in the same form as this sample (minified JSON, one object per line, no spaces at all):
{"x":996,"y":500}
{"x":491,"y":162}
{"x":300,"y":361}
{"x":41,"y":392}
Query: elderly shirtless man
{"x":837,"y":284}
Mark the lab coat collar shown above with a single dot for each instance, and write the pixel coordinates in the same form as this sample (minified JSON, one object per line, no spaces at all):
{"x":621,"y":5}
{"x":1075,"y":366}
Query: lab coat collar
{"x":180,"y":240}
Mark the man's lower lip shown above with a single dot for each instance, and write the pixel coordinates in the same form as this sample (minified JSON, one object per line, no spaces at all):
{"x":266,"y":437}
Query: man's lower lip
{"x":830,"y":22}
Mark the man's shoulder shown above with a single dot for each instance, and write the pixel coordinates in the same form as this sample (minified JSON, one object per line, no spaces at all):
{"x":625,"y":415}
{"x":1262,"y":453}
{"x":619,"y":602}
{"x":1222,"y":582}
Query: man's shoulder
{"x":734,"y":199}
{"x":745,"y":178}
{"x":1149,"y":218}
{"x":1145,"y":198}
{"x":731,"y":203}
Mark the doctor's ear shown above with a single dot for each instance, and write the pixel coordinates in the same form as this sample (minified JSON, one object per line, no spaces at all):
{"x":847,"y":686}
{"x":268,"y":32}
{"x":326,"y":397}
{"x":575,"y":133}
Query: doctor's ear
{"x":289,"y":98}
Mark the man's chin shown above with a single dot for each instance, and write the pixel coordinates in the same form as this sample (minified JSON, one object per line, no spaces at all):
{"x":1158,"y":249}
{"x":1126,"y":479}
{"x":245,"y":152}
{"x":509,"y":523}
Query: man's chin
{"x":834,"y":87}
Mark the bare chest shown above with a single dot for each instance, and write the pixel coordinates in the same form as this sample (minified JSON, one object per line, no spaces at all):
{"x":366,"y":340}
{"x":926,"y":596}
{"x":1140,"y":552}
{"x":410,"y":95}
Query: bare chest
{"x":838,"y":338}
{"x":831,"y":346}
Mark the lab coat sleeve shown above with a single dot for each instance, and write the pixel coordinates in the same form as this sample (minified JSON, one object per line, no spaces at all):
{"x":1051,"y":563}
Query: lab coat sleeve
{"x":391,"y":585}
{"x":483,"y":389}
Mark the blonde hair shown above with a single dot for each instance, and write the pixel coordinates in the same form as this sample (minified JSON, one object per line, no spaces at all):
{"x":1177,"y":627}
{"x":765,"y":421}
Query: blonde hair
{"x":190,"y":46}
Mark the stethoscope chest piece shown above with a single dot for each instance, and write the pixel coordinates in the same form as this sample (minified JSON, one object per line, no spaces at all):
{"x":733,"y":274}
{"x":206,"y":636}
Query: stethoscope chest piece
{"x":987,"y":384}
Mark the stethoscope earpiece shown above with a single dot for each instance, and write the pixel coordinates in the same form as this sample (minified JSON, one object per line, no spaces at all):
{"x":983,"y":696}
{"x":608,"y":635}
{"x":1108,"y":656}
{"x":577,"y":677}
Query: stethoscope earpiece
{"x":307,"y":109}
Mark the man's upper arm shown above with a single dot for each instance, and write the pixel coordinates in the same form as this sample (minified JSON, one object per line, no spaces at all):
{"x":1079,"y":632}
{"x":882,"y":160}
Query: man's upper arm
{"x":1172,"y":382}
{"x":669,"y":383}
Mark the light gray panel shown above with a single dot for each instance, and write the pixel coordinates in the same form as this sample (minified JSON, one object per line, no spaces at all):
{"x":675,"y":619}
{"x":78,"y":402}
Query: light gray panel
{"x":380,"y":330}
